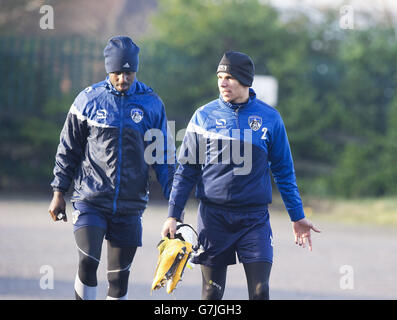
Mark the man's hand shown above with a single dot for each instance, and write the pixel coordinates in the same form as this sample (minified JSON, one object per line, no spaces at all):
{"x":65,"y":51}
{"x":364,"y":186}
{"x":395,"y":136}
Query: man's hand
{"x":169,"y":227}
{"x":57,"y":207}
{"x":301,"y":229}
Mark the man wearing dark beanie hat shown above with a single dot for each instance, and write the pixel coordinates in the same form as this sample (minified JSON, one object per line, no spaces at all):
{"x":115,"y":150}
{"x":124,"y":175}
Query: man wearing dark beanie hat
{"x":102,"y":150}
{"x":239,"y":65}
{"x":121,"y":54}
{"x":121,"y":62}
{"x":235,"y":190}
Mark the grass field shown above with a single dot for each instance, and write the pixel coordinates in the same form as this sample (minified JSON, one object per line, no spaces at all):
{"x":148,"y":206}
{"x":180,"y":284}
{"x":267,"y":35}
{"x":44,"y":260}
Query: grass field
{"x":376,"y":211}
{"x":369,"y":211}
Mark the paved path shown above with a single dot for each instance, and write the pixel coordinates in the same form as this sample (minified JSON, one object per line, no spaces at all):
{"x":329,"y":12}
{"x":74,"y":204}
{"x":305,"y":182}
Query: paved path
{"x":32,"y":246}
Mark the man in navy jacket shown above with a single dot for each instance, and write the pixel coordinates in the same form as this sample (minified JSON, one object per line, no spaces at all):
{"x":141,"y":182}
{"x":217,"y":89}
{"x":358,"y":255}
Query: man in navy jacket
{"x":230,"y":146}
{"x":102,"y":151}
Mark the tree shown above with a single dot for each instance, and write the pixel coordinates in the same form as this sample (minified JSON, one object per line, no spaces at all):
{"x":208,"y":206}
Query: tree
{"x":189,"y":38}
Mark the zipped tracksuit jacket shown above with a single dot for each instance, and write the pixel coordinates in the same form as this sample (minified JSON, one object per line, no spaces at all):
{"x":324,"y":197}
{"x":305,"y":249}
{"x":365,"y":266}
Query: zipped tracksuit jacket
{"x":102,"y":146}
{"x":218,"y":137}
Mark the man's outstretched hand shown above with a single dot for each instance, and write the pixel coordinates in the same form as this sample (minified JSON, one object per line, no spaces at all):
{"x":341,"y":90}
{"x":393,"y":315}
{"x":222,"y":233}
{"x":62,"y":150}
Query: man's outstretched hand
{"x":302,"y":232}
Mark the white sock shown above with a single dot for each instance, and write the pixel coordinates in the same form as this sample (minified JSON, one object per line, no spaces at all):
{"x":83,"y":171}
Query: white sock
{"x":85,"y":292}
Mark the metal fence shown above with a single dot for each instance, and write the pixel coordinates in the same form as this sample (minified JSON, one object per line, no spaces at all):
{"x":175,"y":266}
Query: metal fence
{"x":35,"y":69}
{"x":40,"y":78}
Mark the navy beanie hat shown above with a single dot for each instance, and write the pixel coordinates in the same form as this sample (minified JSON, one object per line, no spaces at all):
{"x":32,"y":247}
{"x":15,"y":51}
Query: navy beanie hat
{"x":121,"y":54}
{"x":239,"y":65}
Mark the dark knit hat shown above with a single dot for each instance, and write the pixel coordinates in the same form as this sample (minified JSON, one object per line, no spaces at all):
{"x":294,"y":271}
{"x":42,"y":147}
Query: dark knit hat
{"x":239,"y":65}
{"x":121,"y":54}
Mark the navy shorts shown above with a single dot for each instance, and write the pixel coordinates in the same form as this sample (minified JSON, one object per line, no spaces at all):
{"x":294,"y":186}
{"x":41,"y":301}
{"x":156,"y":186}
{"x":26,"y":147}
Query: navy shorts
{"x":120,"y":230}
{"x":223,"y":234}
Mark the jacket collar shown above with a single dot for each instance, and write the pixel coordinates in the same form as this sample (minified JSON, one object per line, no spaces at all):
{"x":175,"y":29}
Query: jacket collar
{"x":113,"y":90}
{"x":234,"y":106}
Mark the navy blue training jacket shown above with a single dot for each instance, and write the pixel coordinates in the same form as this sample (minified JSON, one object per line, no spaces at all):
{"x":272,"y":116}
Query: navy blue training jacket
{"x":218,"y":136}
{"x":102,"y":147}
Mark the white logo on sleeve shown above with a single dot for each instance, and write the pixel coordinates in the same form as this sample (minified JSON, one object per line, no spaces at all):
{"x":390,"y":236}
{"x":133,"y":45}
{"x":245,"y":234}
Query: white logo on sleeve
{"x":220,"y":123}
{"x":101,"y":114}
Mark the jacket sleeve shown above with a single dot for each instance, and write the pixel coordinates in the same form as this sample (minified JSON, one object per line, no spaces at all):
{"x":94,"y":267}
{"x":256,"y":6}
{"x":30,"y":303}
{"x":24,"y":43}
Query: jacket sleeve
{"x":282,"y":167}
{"x":70,"y":149}
{"x":188,"y":172}
{"x":165,"y":167}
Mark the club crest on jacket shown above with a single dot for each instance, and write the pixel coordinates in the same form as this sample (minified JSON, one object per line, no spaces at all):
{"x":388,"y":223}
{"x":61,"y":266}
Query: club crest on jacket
{"x":136,"y":115}
{"x":255,"y":122}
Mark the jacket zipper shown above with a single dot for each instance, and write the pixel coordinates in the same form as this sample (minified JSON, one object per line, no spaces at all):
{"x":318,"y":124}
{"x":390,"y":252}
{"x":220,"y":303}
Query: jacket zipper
{"x":236,"y":114}
{"x":120,"y":154}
